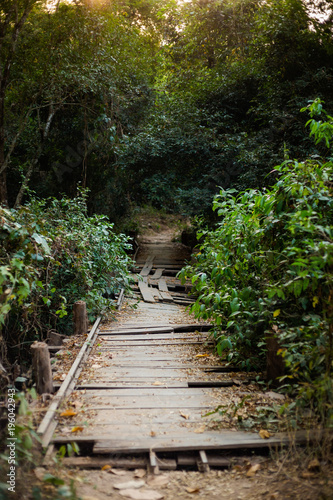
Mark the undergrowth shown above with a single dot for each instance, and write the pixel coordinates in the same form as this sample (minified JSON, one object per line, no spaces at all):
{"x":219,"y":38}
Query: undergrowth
{"x":267,"y":270}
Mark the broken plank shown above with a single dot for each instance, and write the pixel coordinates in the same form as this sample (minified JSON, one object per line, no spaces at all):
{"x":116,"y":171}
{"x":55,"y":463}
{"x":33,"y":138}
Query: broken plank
{"x":166,"y":297}
{"x":148,"y":266}
{"x":158,"y":273}
{"x":162,"y":285}
{"x":146,"y":292}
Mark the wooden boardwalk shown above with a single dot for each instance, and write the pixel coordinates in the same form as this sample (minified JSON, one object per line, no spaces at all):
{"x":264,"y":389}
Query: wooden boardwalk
{"x":142,"y":390}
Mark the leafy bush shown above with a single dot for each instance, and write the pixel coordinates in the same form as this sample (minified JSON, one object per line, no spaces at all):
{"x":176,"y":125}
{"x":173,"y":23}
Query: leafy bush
{"x":267,"y":269}
{"x":52,"y":255}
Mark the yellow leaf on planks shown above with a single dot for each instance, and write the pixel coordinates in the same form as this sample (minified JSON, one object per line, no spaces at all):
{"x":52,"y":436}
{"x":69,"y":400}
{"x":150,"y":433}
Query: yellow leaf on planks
{"x":192,"y":490}
{"x":68,"y":413}
{"x":78,"y":428}
{"x":264,"y":434}
{"x":106,"y":467}
{"x":253,"y":470}
{"x":201,"y":356}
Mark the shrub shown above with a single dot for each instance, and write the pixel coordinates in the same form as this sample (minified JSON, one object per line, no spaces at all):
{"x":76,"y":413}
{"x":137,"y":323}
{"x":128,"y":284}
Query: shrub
{"x":52,"y":255}
{"x":267,"y":269}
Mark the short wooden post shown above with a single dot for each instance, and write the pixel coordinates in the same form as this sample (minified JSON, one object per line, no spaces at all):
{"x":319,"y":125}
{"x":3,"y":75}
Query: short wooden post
{"x":80,"y":319}
{"x":41,"y":367}
{"x":274,"y":363}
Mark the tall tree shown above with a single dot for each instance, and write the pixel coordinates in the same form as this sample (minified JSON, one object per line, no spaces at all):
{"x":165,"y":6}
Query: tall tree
{"x":13,"y":17}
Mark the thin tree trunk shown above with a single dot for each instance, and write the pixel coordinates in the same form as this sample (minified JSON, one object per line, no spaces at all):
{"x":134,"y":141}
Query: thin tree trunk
{"x":34,"y":162}
{"x":11,"y":19}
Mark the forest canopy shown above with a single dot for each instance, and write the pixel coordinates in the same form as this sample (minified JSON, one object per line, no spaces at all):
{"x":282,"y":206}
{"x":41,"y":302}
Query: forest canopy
{"x":157,"y":102}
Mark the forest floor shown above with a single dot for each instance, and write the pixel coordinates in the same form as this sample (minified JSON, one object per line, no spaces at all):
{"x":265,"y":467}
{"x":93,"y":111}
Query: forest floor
{"x":295,"y":473}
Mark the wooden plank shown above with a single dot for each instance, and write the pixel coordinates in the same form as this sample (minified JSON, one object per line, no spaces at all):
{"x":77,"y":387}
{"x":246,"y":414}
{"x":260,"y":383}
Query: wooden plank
{"x":156,"y":293}
{"x":133,"y":462}
{"x":95,"y":462}
{"x":127,"y":337}
{"x":191,"y":327}
{"x":211,"y":383}
{"x":113,"y":386}
{"x":166,"y":296}
{"x":148,"y":266}
{"x":146,"y":292}
{"x":120,"y":299}
{"x":138,"y":423}
{"x":153,"y":466}
{"x":162,"y":285}
{"x":138,"y":331}
{"x":158,"y":273}
{"x":143,"y":392}
{"x":202,"y":463}
{"x":161,"y":343}
{"x":48,"y":419}
{"x":227,"y":440}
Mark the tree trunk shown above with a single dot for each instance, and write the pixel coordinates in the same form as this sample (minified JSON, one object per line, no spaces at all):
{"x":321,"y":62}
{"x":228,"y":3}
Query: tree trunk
{"x":3,"y":174}
{"x":80,"y":319}
{"x":41,"y":367}
{"x":34,"y":162}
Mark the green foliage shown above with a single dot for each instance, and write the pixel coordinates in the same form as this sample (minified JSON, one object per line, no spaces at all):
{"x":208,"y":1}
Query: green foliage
{"x":52,"y":255}
{"x":267,"y":267}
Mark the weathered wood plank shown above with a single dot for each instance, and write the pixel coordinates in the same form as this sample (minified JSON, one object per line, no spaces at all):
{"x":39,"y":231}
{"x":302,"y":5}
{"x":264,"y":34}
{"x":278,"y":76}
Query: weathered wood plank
{"x":166,"y":297}
{"x":162,"y":285}
{"x":207,"y":441}
{"x":148,"y":266}
{"x":146,"y":292}
{"x":135,"y":462}
{"x":158,"y":273}
{"x":138,"y":331}
{"x":113,"y":386}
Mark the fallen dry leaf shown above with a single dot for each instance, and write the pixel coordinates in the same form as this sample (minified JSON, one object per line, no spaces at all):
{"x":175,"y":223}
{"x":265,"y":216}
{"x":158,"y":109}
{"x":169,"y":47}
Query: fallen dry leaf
{"x":152,"y":433}
{"x":117,"y":472}
{"x":264,"y":434}
{"x":77,"y":404}
{"x":106,"y":467}
{"x":157,"y":383}
{"x":201,"y":356}
{"x":129,"y":485}
{"x":40,"y":473}
{"x":307,"y":475}
{"x":253,"y":470}
{"x":200,"y":430}
{"x":77,"y":428}
{"x":68,"y":413}
{"x":314,"y":465}
{"x":184,"y":415}
{"x":140,"y":473}
{"x":158,"y":481}
{"x":192,"y":490}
